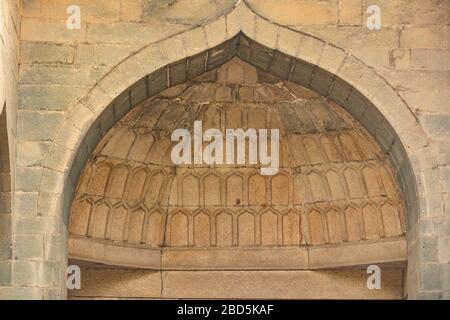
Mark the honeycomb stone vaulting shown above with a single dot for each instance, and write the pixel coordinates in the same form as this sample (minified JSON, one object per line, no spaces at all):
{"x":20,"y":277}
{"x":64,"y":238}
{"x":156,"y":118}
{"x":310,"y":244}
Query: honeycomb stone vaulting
{"x":335,"y":187}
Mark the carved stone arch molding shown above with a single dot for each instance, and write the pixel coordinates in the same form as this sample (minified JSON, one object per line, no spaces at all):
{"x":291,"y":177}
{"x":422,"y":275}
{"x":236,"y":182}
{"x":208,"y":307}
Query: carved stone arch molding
{"x":285,"y":53}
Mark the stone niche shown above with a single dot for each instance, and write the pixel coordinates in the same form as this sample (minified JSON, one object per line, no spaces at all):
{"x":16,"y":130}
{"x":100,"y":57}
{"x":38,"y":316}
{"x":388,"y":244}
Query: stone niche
{"x":141,"y":227}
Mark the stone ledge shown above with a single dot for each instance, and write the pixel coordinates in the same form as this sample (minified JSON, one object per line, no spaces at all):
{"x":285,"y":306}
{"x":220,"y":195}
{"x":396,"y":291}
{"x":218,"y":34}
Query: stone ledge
{"x":263,"y":258}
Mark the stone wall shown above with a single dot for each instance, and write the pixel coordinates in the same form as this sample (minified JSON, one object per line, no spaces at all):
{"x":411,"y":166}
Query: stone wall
{"x":9,"y":68}
{"x":299,"y":284}
{"x":59,"y":66}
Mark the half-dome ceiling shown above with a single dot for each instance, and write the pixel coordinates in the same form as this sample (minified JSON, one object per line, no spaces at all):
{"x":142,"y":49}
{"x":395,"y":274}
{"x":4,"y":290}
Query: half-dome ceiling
{"x":334,"y":184}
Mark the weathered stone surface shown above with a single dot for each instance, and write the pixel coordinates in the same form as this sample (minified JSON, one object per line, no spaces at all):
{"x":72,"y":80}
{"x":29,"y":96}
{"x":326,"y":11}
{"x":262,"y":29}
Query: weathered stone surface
{"x":107,"y":10}
{"x":34,"y":29}
{"x":37,"y":52}
{"x":57,"y":75}
{"x":28,"y":247}
{"x":436,"y":125}
{"x":131,"y":10}
{"x":131,"y":32}
{"x":52,"y":98}
{"x":313,"y":133}
{"x":192,"y":12}
{"x":423,"y":37}
{"x":282,"y":284}
{"x":118,"y":283}
{"x":103,"y":54}
{"x":409,"y":52}
{"x":430,"y":59}
{"x":38,"y":125}
{"x":307,"y":13}
{"x":350,"y":12}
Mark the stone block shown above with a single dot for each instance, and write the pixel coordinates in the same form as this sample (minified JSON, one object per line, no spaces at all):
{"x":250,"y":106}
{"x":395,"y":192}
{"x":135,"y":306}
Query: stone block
{"x":216,"y":32}
{"x":38,"y":52}
{"x":174,"y":49}
{"x":260,"y":56}
{"x":423,"y":159}
{"x":37,"y":225}
{"x":356,"y":104}
{"x":26,"y":273}
{"x":35,"y":125}
{"x":281,"y":65}
{"x":423,"y":36}
{"x":132,"y":32}
{"x":49,"y":204}
{"x":21,"y":293}
{"x":196,"y":65}
{"x":372,"y":119}
{"x":299,"y":12}
{"x":138,"y":93}
{"x":31,"y":8}
{"x":321,"y":81}
{"x":80,"y":116}
{"x":28,"y":178}
{"x":35,"y":273}
{"x":25,"y":204}
{"x":68,"y":136}
{"x":289,"y":41}
{"x":440,"y":149}
{"x":5,"y":274}
{"x":61,"y":75}
{"x":54,"y":294}
{"x":385,"y":135}
{"x":55,"y":247}
{"x":340,"y":91}
{"x":195,"y":12}
{"x":59,"y":158}
{"x":115,"y":283}
{"x":414,"y":138}
{"x":28,"y":247}
{"x":218,"y":55}
{"x":157,"y":81}
{"x":310,"y":49}
{"x":401,"y":58}
{"x":131,"y":10}
{"x":429,"y":249}
{"x":430,"y":59}
{"x":302,"y":73}
{"x":195,"y":41}
{"x":100,"y":96}
{"x":52,"y":98}
{"x":177,"y":73}
{"x":105,"y":10}
{"x":433,"y":276}
{"x":350,"y":12}
{"x":374,"y":57}
{"x":52,"y":181}
{"x":266,"y":33}
{"x":46,"y":30}
{"x":436,"y":125}
{"x":445,"y":176}
{"x":280,"y":284}
{"x":247,"y":21}
{"x":331,"y":58}
{"x":31,"y":153}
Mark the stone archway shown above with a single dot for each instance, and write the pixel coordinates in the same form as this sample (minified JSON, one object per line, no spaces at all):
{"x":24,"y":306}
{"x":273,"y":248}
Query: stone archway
{"x":351,"y":83}
{"x":334,"y":203}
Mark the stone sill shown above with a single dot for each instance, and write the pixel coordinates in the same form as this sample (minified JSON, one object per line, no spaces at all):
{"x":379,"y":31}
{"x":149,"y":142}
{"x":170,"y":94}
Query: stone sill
{"x":358,"y":254}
